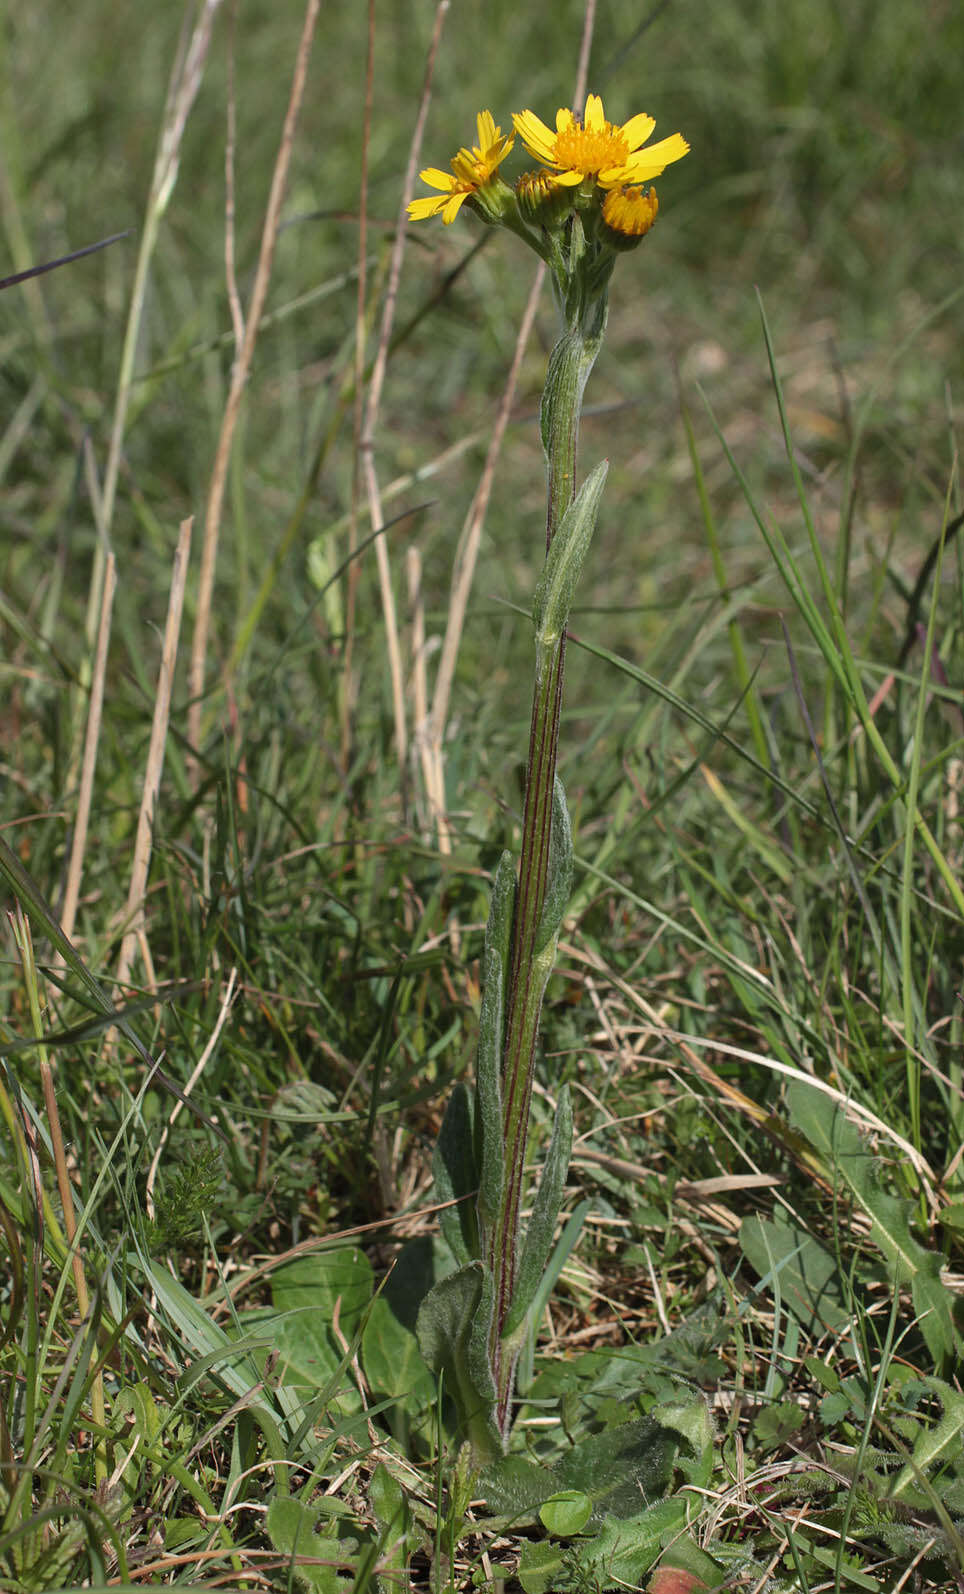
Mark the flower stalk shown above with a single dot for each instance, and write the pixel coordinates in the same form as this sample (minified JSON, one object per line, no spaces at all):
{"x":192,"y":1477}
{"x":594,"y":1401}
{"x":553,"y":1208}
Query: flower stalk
{"x":531,"y":963}
{"x":585,"y":206}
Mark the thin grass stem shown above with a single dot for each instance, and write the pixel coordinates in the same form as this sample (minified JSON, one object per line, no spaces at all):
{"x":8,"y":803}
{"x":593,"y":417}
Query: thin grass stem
{"x":240,"y":373}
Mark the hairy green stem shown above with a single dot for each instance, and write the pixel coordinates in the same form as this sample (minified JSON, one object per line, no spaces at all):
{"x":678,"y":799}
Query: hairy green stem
{"x":530,"y":965}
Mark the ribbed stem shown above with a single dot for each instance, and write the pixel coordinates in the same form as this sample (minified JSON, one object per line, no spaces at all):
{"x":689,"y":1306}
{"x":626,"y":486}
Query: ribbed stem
{"x":569,"y":366}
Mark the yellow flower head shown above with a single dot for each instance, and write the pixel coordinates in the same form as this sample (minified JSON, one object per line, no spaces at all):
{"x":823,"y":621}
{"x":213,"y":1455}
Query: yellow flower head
{"x":630,"y":212}
{"x":471,"y":170}
{"x":592,"y":147}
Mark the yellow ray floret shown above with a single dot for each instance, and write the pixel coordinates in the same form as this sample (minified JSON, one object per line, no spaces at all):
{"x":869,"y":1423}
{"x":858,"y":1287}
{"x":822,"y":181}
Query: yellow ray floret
{"x":471,"y":170}
{"x":592,"y":147}
{"x":630,"y":211}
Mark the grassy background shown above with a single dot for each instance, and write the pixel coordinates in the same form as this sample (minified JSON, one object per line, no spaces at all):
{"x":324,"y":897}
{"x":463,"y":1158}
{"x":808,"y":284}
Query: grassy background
{"x":755,"y":897}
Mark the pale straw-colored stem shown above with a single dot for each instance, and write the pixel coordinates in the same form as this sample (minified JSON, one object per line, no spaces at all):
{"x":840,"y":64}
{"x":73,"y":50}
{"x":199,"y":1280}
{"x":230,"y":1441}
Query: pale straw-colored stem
{"x":89,"y":761}
{"x":239,"y":377}
{"x":416,"y":608}
{"x":143,"y":840}
{"x":349,"y":685}
{"x":366,"y":443}
{"x":195,"y":1075}
{"x":230,"y":144}
{"x":185,"y":82}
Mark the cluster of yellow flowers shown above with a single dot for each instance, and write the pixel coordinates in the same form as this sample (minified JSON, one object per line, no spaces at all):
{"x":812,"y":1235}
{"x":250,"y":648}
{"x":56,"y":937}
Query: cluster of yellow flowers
{"x":586,"y":160}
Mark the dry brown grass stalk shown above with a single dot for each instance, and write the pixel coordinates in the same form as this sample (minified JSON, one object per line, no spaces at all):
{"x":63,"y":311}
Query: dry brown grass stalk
{"x":366,"y":444}
{"x":143,"y":841}
{"x":416,"y":608}
{"x":240,"y":373}
{"x":89,"y":764}
{"x":349,"y":683}
{"x":196,"y":1072}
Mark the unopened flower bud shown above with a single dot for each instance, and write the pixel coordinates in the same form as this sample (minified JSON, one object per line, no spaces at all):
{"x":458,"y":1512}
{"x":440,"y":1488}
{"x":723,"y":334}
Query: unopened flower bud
{"x":628,"y":214}
{"x":542,"y":200}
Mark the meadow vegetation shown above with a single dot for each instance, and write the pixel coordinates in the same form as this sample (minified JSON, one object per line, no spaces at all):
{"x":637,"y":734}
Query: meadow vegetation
{"x":757,"y":1007}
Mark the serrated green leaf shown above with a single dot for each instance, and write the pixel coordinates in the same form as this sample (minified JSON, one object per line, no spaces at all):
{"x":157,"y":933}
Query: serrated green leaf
{"x":952,"y":1217}
{"x":822,"y":1374}
{"x":616,"y":1469}
{"x":515,"y":1487}
{"x":624,"y":1549}
{"x":691,"y":1420}
{"x":542,"y":1567}
{"x":621,"y":1466}
{"x":545,"y":1211}
{"x":942,"y":1442}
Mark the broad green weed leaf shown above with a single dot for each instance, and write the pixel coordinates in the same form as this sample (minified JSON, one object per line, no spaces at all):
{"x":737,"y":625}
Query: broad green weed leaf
{"x":452,"y":1330}
{"x":618,"y":1556}
{"x":703,"y":1574}
{"x":318,"y":1284}
{"x":621,"y":1466}
{"x":806,"y":1274}
{"x":515,"y":1488}
{"x":624,"y":1549}
{"x":629,"y":1371}
{"x":394,"y":1519}
{"x":566,"y":1512}
{"x":456,"y":1177}
{"x":393,"y":1363}
{"x":419,"y":1264}
{"x":827,"y":1128}
{"x":307,"y":1294}
{"x":313,"y":1557}
{"x":691,"y":1420}
{"x":615,"y":1469}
